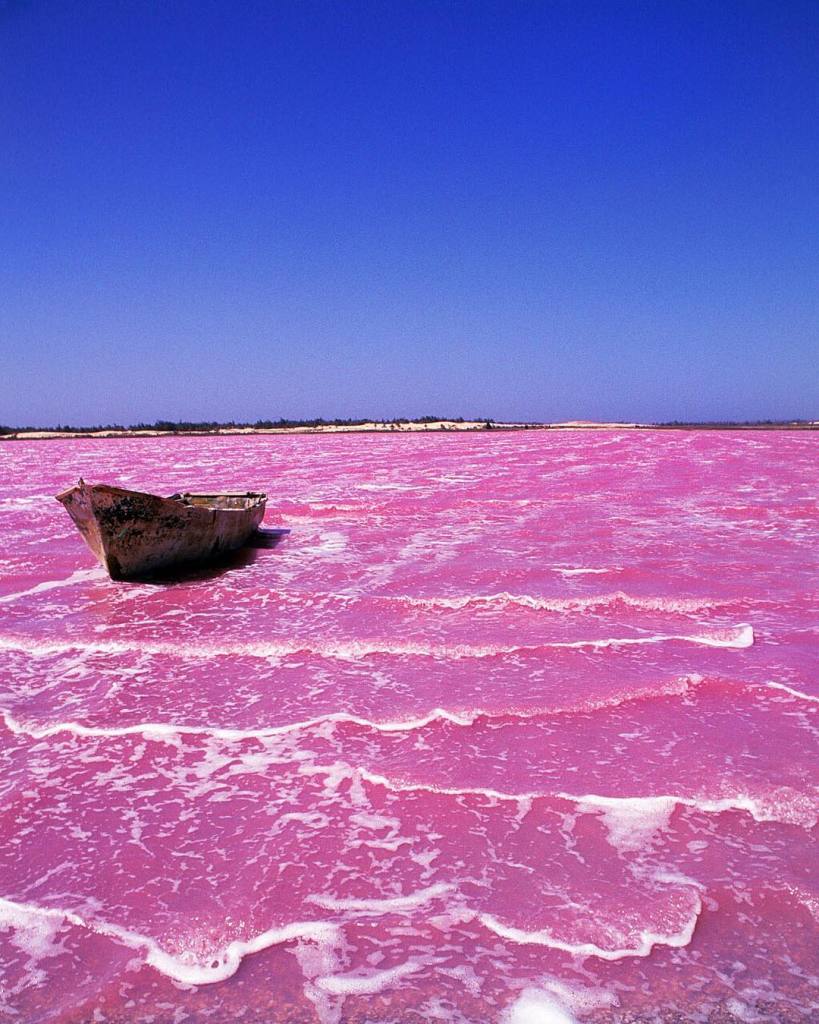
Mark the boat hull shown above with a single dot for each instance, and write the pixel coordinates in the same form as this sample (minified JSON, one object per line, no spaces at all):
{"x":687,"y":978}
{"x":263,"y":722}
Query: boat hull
{"x":134,"y":534}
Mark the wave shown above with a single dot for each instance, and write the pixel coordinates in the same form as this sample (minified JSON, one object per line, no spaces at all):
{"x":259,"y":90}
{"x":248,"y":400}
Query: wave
{"x":80,"y":576}
{"x":568,"y":571}
{"x":647,"y":939}
{"x":797,"y":694}
{"x":187,"y":967}
{"x":629,"y":819}
{"x":220,"y":964}
{"x":166,"y":730}
{"x":367,"y":984}
{"x":501,"y":599}
{"x":733,"y":637}
{"x":573,"y":604}
{"x":385,"y":904}
{"x":194,"y":968}
{"x":19,"y":504}
{"x":464,"y":718}
{"x":621,"y":812}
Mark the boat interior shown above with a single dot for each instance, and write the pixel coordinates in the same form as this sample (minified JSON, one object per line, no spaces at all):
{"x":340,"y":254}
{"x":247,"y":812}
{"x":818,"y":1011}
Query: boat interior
{"x":239,"y":501}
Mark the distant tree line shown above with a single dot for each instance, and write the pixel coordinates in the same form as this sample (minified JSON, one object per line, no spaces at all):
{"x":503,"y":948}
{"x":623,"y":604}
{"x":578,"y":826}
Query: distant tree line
{"x":210,"y":426}
{"x":716,"y":424}
{"x":206,"y":426}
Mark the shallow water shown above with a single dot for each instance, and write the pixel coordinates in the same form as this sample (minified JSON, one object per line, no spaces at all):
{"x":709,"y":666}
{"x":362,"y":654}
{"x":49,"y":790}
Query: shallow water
{"x":516,"y":728}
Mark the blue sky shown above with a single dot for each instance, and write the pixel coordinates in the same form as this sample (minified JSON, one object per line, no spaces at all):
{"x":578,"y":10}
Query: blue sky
{"x":520,"y":210}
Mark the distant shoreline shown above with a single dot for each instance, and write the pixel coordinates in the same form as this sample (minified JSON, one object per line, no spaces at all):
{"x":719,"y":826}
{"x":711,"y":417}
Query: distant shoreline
{"x":374,"y":427}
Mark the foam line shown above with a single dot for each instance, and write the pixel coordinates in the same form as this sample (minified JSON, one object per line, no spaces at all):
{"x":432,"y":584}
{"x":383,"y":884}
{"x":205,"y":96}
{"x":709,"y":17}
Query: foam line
{"x":737,"y":637}
{"x":80,"y":576}
{"x":384,"y":905}
{"x":683,"y":605}
{"x":624,"y":806}
{"x":798,"y":694}
{"x":424,"y":787}
{"x":564,"y":571}
{"x":366,"y":984}
{"x":184,"y":968}
{"x":162,"y":730}
{"x":591,"y":801}
{"x":659,"y":604}
{"x":621,"y":812}
{"x":647,"y":941}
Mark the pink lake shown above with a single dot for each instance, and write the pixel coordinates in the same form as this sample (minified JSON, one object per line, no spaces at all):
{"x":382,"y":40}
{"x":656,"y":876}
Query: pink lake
{"x":515,"y":728}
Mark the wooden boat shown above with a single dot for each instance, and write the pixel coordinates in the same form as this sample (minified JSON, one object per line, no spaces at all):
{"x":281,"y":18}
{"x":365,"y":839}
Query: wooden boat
{"x":133,"y":534}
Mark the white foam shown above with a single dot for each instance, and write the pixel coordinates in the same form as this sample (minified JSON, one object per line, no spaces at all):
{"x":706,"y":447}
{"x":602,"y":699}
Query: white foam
{"x":633,"y":821}
{"x":18,"y":504}
{"x":798,"y":694}
{"x":568,"y":571}
{"x":411,"y":787}
{"x":683,"y":605}
{"x":387,"y":487}
{"x":579,"y":999}
{"x":543,"y":937}
{"x":36,"y":937}
{"x":170,"y":732}
{"x":386,"y":904}
{"x":809,"y":900}
{"x":535,"y":1006}
{"x":573,"y":604}
{"x":743,"y":1012}
{"x":187,"y":967}
{"x":737,"y":637}
{"x":80,"y":576}
{"x":164,"y":730}
{"x":782,"y":804}
{"x":330,"y":543}
{"x":366,"y":984}
{"x":226,"y":961}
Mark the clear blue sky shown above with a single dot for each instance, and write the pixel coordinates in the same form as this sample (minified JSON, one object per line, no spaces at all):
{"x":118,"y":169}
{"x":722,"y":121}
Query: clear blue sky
{"x":513,"y":209}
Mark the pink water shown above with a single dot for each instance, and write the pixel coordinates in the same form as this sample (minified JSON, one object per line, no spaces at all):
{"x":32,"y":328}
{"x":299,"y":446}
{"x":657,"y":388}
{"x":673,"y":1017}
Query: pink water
{"x":511,"y":728}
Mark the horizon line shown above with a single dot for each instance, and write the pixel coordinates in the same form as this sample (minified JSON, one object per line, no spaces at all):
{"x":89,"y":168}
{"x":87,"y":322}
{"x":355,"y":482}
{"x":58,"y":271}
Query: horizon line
{"x":163,"y":427}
